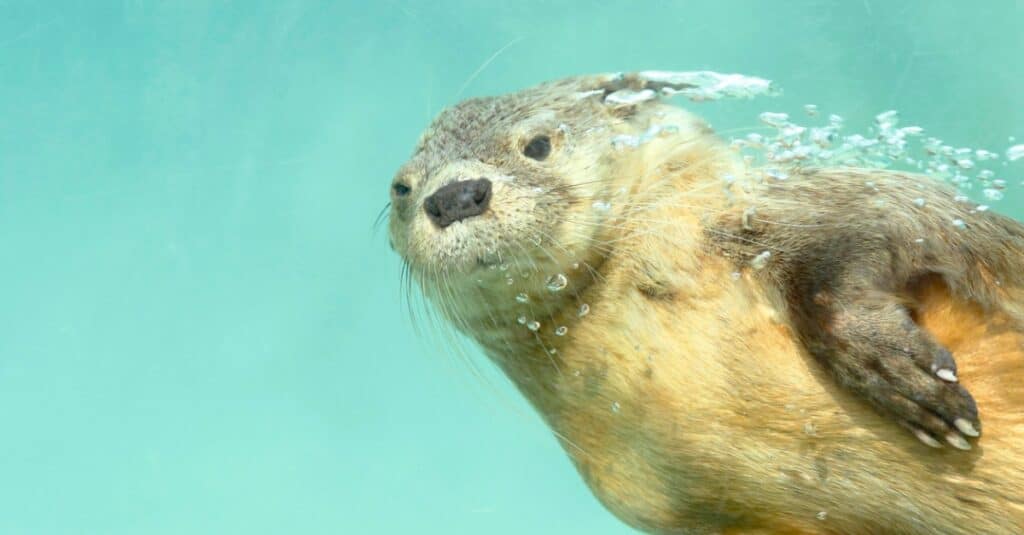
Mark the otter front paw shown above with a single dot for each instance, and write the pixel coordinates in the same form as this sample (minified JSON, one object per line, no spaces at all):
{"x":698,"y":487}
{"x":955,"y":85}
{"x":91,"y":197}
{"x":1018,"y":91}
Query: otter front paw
{"x":879,"y":352}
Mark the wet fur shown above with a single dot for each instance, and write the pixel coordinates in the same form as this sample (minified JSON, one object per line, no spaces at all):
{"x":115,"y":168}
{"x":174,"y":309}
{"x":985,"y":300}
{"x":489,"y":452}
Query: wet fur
{"x":687,"y":397}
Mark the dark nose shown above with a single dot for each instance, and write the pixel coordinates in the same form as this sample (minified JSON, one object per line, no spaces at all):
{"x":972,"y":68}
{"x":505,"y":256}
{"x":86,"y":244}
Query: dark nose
{"x":457,"y":201}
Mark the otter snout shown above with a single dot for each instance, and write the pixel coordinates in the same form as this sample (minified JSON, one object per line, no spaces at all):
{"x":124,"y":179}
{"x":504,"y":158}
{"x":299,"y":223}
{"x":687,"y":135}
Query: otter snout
{"x":458,"y":201}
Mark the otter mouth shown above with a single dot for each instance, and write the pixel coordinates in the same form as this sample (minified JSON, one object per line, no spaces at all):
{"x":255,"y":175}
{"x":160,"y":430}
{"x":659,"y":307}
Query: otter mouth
{"x":468,"y":258}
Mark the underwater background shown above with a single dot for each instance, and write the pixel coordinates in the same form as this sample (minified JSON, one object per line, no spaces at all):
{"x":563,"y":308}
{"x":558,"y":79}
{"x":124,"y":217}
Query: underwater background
{"x":200,"y":332}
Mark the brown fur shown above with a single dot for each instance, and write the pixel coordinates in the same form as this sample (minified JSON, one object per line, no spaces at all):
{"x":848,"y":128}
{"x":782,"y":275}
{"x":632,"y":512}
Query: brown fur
{"x":688,"y":397}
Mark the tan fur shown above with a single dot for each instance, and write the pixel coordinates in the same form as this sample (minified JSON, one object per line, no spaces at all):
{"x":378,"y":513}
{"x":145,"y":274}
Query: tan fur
{"x":684,"y":398}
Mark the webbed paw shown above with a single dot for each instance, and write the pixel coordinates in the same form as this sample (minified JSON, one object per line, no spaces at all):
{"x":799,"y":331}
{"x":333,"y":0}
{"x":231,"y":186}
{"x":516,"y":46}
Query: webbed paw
{"x":879,"y":352}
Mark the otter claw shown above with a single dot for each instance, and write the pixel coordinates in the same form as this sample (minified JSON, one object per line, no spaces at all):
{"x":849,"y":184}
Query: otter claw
{"x":966,"y":427}
{"x":958,"y":441}
{"x":944,"y":366}
{"x":926,"y":438}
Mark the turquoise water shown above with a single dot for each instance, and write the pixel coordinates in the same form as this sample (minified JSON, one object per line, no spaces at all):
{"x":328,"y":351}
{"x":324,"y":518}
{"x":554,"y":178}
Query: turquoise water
{"x":200,"y":333}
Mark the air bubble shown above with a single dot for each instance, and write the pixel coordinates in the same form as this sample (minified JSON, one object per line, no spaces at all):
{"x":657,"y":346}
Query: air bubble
{"x":533,"y":325}
{"x":557,"y":282}
{"x":1015,"y":153}
{"x":774,"y":119}
{"x":629,"y":97}
{"x":522,"y":297}
{"x":959,"y":223}
{"x":748,"y":214}
{"x":887,"y":120}
{"x":625,"y":141}
{"x":919,"y":201}
{"x":616,"y":407}
{"x":709,"y":85}
{"x":822,"y":137}
{"x":587,"y":94}
{"x":560,"y":331}
{"x":584,"y":310}
{"x":601,"y":206}
{"x":792,"y":131}
{"x":992,"y":194}
{"x":521,"y":320}
{"x":822,"y":515}
{"x":811,"y":110}
{"x":761,"y":260}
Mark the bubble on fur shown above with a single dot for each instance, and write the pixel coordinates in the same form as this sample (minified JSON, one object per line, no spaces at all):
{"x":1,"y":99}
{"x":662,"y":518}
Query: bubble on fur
{"x":628,"y":97}
{"x":557,"y":282}
{"x":761,"y":260}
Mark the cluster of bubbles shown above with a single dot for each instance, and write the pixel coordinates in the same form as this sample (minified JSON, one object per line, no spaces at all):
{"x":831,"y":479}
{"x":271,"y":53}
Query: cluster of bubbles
{"x":708,"y":85}
{"x":554,"y":284}
{"x":886,"y":145}
{"x":695,"y":85}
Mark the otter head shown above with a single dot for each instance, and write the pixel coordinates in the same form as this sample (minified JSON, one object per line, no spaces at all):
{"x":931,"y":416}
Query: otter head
{"x":505,"y":198}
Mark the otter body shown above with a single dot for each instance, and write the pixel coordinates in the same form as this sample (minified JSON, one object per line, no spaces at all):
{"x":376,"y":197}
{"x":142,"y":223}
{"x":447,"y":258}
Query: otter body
{"x":698,"y":410}
{"x":726,"y":357}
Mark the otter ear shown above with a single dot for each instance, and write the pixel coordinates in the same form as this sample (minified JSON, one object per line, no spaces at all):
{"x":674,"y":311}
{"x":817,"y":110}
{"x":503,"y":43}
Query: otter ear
{"x":631,"y":89}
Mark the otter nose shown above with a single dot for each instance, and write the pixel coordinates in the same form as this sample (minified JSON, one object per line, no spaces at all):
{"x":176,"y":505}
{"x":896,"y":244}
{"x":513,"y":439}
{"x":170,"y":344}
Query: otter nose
{"x":457,"y":201}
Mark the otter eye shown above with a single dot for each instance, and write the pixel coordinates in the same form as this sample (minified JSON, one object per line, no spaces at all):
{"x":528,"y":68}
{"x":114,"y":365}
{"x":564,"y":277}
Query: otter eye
{"x":401,"y":189}
{"x":538,"y":148}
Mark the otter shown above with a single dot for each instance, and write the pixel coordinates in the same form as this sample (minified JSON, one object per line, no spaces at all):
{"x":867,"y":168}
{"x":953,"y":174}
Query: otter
{"x":717,"y":350}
